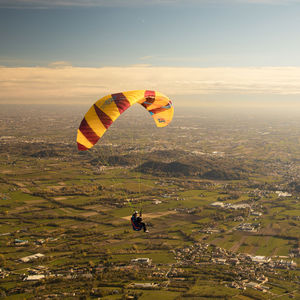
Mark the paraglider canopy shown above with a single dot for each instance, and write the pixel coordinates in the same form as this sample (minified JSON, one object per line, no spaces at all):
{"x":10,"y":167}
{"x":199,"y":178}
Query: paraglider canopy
{"x":106,"y":110}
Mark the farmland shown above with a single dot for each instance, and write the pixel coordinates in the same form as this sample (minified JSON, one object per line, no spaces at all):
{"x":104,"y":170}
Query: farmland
{"x":216,"y":191}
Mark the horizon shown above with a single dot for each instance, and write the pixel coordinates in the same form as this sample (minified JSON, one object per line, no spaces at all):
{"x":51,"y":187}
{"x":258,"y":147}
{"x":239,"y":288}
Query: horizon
{"x":69,"y":52}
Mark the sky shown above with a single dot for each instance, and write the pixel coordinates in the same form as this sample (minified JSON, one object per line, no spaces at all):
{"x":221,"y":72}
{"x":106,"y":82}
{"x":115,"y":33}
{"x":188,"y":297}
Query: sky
{"x":72,"y":52}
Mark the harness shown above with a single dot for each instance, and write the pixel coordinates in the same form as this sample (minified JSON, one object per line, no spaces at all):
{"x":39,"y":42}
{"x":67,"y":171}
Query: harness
{"x":135,"y":226}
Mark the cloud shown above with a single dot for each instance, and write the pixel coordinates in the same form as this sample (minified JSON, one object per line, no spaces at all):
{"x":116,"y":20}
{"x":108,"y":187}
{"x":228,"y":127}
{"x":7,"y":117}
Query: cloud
{"x":59,"y":64}
{"x":69,"y":84}
{"x":40,"y":4}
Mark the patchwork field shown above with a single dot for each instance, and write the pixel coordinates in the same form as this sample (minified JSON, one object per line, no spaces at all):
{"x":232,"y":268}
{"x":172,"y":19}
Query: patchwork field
{"x":75,"y":208}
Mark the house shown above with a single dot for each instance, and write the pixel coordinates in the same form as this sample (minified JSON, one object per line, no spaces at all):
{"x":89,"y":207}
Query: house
{"x":145,"y":285}
{"x":256,"y":213}
{"x":31,"y":257}
{"x":248,"y":227}
{"x":239,"y":206}
{"x":260,"y":259}
{"x":283,"y":194}
{"x":217,"y":204}
{"x":253,"y":285}
{"x":285,"y":264}
{"x":34,"y":277}
{"x":221,"y":261}
{"x":142,"y":261}
{"x":156,"y":201}
{"x":19,"y":242}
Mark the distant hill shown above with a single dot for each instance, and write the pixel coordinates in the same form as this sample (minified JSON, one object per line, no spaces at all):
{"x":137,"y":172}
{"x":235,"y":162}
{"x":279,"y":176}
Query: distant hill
{"x":115,"y":160}
{"x":45,"y":153}
{"x":175,"y":169}
{"x":170,"y":169}
{"x":177,"y":164}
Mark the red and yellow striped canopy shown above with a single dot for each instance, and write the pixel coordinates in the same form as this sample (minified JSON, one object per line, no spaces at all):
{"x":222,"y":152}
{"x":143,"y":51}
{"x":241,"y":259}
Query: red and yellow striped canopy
{"x":106,"y":110}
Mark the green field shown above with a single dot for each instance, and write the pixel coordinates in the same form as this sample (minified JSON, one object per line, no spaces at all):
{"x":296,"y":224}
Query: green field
{"x":75,"y":209}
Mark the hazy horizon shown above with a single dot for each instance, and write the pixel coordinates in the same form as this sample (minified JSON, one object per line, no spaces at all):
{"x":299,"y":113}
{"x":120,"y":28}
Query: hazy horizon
{"x":78,"y":51}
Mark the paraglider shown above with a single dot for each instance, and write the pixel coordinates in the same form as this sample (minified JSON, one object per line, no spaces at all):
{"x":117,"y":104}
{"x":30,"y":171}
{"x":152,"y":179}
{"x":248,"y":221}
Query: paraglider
{"x":137,"y":223}
{"x":106,"y":110}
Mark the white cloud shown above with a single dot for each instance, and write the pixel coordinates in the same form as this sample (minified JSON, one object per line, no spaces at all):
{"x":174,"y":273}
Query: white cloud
{"x":70,"y":84}
{"x":59,"y":64}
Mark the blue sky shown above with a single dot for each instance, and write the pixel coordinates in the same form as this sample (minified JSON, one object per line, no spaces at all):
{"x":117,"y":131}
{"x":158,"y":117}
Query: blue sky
{"x":156,"y":35}
{"x":170,"y":33}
